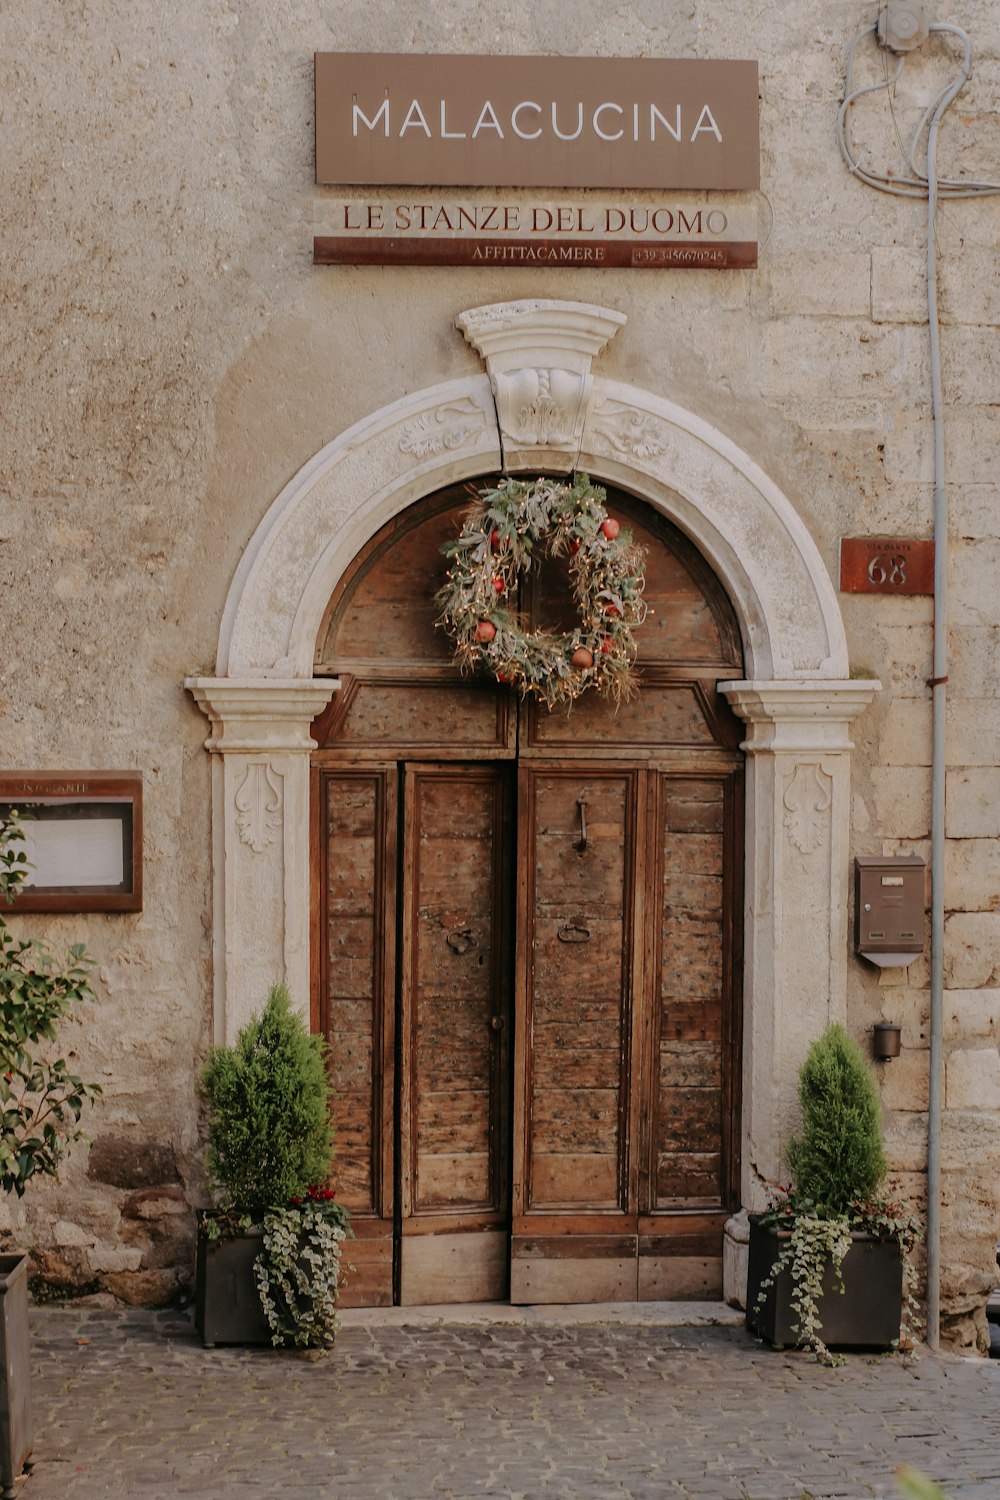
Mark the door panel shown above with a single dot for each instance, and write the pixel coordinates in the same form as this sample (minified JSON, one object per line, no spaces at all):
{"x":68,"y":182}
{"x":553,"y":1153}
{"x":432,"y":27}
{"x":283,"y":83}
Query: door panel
{"x":686,"y":1186}
{"x":455,"y":1006}
{"x":688,"y":1097}
{"x":575,"y":976}
{"x":357,"y":839}
{"x":576,"y":970}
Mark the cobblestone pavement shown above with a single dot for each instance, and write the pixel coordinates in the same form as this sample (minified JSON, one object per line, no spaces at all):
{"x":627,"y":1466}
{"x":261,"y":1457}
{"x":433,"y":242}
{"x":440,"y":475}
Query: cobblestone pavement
{"x":129,"y":1404}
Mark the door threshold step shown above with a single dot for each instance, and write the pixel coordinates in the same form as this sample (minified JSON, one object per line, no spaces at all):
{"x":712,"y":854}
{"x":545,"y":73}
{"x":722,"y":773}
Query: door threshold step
{"x":482,"y":1314}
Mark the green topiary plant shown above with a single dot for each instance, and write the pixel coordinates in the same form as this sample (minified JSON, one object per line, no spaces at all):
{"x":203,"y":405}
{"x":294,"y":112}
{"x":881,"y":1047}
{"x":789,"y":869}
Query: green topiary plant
{"x":270,"y":1141}
{"x":269,"y":1133}
{"x":839,"y":1158}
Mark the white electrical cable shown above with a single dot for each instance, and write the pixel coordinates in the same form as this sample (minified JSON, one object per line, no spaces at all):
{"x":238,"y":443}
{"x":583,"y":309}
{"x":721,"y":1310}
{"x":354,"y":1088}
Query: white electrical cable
{"x":914,"y":186}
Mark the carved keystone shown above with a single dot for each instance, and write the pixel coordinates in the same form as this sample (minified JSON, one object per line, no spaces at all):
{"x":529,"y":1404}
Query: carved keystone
{"x":538,"y":356}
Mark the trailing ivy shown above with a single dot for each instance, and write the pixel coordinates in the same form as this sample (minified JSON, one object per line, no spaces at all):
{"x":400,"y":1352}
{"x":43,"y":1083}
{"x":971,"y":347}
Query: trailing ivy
{"x":297,"y":1271}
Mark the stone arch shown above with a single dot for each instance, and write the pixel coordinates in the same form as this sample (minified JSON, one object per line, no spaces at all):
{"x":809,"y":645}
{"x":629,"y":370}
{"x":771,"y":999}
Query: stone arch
{"x":531,"y":414}
{"x":538,"y":407}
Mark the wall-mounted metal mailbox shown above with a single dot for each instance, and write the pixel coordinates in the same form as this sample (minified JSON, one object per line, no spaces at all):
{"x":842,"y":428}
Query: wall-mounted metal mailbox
{"x":889,"y":908}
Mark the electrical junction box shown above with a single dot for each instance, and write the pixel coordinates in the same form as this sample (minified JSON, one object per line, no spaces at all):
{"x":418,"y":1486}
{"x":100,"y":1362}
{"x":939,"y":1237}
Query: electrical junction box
{"x":889,"y":908}
{"x":902,"y":27}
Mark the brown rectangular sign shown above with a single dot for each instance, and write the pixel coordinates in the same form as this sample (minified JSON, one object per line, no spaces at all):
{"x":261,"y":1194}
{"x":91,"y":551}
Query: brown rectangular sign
{"x":886,"y":565}
{"x":566,"y":122}
{"x":341,"y":250}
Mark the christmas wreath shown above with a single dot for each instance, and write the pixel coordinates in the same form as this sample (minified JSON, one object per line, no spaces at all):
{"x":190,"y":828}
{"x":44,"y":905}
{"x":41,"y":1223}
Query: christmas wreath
{"x":510,"y":527}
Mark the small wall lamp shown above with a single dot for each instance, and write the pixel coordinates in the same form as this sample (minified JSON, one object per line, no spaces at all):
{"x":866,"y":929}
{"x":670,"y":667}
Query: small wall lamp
{"x":886,"y":1043}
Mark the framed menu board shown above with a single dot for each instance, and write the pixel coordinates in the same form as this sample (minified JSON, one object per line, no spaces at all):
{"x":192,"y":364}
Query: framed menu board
{"x":82,"y":838}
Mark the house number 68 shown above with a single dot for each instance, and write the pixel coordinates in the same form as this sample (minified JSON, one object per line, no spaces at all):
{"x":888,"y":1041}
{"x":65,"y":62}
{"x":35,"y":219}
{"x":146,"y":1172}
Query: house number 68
{"x":890,"y":570}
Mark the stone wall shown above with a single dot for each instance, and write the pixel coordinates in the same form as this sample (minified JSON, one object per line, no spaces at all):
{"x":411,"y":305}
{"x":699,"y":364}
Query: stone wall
{"x":176,"y":358}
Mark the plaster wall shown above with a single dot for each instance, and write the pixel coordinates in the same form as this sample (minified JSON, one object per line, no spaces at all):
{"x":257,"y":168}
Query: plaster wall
{"x":175,"y":358}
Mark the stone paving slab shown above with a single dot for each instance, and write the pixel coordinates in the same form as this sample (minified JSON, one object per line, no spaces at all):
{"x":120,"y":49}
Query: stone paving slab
{"x":129,"y":1404}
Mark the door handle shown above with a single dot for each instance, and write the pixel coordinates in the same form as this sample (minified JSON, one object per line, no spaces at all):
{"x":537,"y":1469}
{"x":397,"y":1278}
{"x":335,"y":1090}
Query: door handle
{"x":497,"y":1023}
{"x":462,"y":940}
{"x":581,"y":843}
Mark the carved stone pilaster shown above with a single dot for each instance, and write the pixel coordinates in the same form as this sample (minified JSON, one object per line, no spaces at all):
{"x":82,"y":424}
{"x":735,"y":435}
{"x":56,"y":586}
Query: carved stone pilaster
{"x":797,"y":880}
{"x":538,"y":355}
{"x":260,"y":745}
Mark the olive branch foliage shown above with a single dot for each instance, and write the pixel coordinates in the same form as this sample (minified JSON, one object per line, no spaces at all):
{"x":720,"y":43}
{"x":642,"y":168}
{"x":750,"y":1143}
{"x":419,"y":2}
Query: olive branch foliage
{"x":41,"y":1099}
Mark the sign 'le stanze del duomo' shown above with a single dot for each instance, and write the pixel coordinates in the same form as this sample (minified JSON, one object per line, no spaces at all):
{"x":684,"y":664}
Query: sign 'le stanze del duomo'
{"x":664,"y":132}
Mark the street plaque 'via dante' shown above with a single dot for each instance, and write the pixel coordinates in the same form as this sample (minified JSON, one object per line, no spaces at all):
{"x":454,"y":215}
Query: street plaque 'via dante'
{"x":886,"y":565}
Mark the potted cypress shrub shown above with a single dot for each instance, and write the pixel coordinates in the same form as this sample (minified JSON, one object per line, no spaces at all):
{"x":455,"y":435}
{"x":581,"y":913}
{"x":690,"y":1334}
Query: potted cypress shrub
{"x":827,"y":1262}
{"x":41,"y":1102}
{"x":268,"y":1255}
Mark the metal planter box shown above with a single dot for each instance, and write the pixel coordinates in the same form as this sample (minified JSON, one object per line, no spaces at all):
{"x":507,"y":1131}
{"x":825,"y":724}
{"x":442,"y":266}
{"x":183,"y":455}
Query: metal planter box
{"x":227,"y":1304}
{"x":867,"y":1314}
{"x":16,"y":1435}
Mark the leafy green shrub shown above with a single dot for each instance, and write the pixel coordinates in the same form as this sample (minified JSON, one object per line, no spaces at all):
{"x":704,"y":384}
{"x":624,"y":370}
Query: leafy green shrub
{"x":839,"y":1158}
{"x":40,"y":1099}
{"x":269,"y":1132}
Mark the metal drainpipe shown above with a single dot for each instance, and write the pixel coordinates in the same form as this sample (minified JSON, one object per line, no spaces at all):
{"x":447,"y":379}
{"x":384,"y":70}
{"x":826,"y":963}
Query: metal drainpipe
{"x":939,"y":688}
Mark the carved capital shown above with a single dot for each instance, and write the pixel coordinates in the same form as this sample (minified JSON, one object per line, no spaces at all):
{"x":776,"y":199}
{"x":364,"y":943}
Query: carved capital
{"x":260,"y":716}
{"x":799,"y":715}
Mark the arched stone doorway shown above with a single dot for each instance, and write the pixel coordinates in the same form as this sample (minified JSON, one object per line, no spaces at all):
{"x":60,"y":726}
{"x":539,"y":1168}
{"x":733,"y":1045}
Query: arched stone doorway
{"x":796,"y":699}
{"x":527,"y":941}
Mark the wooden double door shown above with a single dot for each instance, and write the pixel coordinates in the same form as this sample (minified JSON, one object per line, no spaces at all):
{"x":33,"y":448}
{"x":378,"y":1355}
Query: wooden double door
{"x":526,"y":949}
{"x":526,"y":973}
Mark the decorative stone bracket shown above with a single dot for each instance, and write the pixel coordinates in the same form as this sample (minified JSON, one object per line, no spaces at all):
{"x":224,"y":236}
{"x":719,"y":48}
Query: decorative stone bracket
{"x":538,"y":357}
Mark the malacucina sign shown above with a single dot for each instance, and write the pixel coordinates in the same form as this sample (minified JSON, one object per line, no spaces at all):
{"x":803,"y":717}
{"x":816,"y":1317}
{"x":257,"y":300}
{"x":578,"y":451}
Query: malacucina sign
{"x":565,"y":122}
